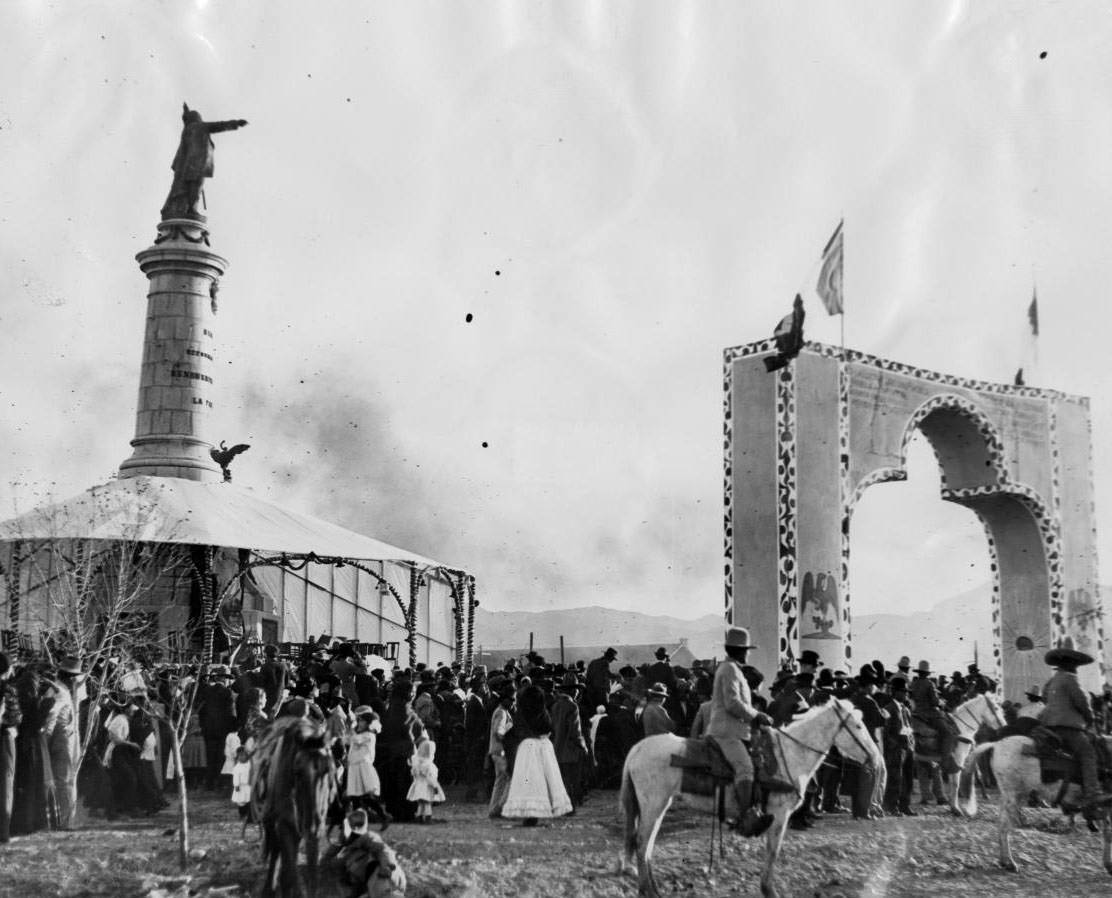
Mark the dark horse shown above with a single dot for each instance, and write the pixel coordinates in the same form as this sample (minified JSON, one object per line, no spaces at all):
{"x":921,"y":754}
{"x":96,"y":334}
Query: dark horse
{"x":293,"y":785}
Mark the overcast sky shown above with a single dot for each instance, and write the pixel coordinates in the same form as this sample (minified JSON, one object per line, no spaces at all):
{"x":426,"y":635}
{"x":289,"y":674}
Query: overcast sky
{"x":615,"y":191}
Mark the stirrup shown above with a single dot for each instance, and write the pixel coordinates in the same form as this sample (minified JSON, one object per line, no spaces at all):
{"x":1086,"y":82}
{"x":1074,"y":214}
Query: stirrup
{"x":753,"y":824}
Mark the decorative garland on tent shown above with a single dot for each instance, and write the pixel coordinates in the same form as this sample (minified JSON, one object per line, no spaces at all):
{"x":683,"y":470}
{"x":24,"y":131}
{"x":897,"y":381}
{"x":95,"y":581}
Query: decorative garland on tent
{"x":416,"y":581}
{"x":472,"y":604}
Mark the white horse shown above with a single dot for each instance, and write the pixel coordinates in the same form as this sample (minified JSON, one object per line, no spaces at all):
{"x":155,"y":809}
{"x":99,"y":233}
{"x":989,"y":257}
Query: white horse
{"x":970,"y":716}
{"x":1017,"y":775}
{"x":650,"y":782}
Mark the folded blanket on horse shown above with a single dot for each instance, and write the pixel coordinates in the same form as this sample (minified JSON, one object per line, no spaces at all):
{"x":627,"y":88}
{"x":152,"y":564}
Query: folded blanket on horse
{"x":705,"y":766}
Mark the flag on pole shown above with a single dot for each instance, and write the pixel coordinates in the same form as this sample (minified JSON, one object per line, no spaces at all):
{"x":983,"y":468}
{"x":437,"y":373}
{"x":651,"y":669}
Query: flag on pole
{"x":829,"y":286}
{"x":1029,"y":358}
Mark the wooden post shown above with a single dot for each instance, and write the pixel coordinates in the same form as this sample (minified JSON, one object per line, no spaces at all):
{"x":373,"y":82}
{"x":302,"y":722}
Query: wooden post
{"x":530,"y":642}
{"x":561,"y":648}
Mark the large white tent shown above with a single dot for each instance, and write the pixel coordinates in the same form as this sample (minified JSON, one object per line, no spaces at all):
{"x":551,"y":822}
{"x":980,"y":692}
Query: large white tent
{"x":308,"y":576}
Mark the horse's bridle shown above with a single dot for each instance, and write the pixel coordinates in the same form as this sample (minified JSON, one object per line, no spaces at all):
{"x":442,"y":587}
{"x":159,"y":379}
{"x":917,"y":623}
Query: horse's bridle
{"x":976,"y":721}
{"x":843,"y":724}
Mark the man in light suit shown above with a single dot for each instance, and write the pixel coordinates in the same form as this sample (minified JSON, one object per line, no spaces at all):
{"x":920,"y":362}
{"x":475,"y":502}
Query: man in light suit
{"x":731,"y":716}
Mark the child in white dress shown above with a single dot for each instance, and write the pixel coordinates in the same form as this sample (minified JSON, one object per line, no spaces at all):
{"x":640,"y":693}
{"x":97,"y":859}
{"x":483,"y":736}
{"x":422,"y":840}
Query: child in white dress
{"x":426,"y":779}
{"x":363,"y":787}
{"x":241,"y":783}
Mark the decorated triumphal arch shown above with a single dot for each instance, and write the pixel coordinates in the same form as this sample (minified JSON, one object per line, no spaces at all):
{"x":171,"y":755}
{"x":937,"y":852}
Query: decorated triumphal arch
{"x":802,"y":444}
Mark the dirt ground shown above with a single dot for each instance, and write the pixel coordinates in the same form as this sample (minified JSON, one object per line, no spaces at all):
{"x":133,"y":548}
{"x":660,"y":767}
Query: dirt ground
{"x":463,"y":854}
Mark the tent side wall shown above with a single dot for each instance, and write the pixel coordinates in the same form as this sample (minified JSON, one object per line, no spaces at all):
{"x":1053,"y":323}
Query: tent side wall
{"x":279,"y":605}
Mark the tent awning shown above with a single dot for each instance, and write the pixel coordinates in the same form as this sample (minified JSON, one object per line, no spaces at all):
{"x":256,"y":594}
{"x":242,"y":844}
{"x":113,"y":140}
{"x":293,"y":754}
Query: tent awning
{"x":175,"y":510}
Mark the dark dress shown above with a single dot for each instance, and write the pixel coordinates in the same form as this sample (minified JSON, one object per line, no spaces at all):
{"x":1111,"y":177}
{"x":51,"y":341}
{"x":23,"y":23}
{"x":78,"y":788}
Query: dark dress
{"x":34,"y":807}
{"x":396,"y":744}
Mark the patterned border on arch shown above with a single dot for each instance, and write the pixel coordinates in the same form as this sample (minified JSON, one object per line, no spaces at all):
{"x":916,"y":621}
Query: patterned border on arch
{"x":864,"y":358}
{"x":994,"y":445}
{"x":728,"y":478}
{"x":1049,"y":531}
{"x":1096,"y":579}
{"x":995,"y":600}
{"x":845,"y":490}
{"x":787,"y":502}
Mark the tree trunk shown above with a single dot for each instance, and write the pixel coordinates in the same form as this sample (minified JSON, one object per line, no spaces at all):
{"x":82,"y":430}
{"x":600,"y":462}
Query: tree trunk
{"x":183,"y":798}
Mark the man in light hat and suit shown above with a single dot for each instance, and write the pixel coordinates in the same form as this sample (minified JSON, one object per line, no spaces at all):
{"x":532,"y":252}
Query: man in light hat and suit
{"x":1069,"y":714}
{"x":655,"y":719}
{"x":732,"y":715}
{"x":61,"y":735}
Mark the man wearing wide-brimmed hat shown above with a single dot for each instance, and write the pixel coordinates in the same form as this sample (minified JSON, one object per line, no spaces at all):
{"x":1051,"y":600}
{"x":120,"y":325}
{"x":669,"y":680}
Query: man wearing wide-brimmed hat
{"x":1068,"y":714}
{"x":655,"y":719}
{"x":731,"y":716}
{"x":928,"y":708}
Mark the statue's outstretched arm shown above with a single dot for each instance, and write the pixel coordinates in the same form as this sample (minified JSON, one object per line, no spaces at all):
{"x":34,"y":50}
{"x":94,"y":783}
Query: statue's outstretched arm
{"x":213,"y":127}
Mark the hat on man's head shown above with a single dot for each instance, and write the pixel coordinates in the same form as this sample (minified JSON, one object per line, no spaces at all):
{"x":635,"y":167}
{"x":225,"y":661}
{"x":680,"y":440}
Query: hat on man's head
{"x":738,"y":638}
{"x":657,"y":689}
{"x":570,"y":683}
{"x":904,"y":663}
{"x":867,"y":675}
{"x":881,"y":673}
{"x":661,"y":653}
{"x":611,"y":653}
{"x":973,"y":669}
{"x":898,"y":684}
{"x":924,"y":667}
{"x":1034,"y":693}
{"x":826,"y":678}
{"x":805,"y":679}
{"x":809,"y":657}
{"x":1067,"y":655}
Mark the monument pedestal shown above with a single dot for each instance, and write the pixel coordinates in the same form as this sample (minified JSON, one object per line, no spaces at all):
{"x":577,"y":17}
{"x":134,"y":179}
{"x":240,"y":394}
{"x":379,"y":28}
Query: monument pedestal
{"x":176,"y":383}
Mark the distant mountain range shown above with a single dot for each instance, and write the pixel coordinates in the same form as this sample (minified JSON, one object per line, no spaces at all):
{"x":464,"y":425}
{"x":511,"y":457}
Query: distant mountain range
{"x":945,"y":635}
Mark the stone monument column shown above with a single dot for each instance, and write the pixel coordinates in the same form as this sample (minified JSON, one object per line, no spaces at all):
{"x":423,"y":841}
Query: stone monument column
{"x":176,"y":378}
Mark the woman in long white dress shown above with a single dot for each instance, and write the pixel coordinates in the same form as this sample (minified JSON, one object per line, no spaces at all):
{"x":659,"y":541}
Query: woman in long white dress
{"x":536,"y":787}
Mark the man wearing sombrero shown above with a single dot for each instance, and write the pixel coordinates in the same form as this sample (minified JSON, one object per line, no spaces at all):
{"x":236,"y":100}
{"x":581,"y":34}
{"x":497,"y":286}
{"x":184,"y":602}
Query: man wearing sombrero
{"x":1068,"y":714}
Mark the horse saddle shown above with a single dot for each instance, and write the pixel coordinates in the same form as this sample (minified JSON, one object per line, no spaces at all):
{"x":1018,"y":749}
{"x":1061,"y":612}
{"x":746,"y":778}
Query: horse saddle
{"x":1057,"y":763}
{"x":705,"y":767}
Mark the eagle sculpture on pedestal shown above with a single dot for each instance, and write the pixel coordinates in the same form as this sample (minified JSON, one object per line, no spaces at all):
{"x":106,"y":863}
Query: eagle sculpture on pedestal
{"x":223,"y":457}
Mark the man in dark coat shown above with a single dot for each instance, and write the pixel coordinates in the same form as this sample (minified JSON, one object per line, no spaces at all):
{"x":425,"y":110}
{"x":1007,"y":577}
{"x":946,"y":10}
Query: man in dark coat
{"x":899,"y":744}
{"x":193,"y":162}
{"x":476,"y":731}
{"x":216,"y":713}
{"x":860,"y":780}
{"x":272,"y":679}
{"x":567,"y":738}
{"x":598,"y":679}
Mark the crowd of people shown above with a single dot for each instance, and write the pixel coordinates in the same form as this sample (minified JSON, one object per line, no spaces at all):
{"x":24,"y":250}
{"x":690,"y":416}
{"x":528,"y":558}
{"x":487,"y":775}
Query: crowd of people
{"x":531,"y":740}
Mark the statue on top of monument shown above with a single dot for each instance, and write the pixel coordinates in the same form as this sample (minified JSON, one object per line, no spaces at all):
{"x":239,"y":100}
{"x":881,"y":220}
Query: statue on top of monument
{"x":193,"y":162}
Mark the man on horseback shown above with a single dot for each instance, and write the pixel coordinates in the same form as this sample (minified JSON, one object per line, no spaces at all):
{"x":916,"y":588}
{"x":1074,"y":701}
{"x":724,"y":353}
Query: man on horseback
{"x":1068,"y":714}
{"x":928,"y":708}
{"x":731,"y":716}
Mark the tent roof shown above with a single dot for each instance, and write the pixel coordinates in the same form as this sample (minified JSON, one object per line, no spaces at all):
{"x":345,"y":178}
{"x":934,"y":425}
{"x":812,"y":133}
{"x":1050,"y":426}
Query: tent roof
{"x":175,"y":510}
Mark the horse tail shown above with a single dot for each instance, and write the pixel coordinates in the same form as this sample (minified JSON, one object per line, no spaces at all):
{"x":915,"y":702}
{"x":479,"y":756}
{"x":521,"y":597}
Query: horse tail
{"x":627,"y":801}
{"x":965,"y":797}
